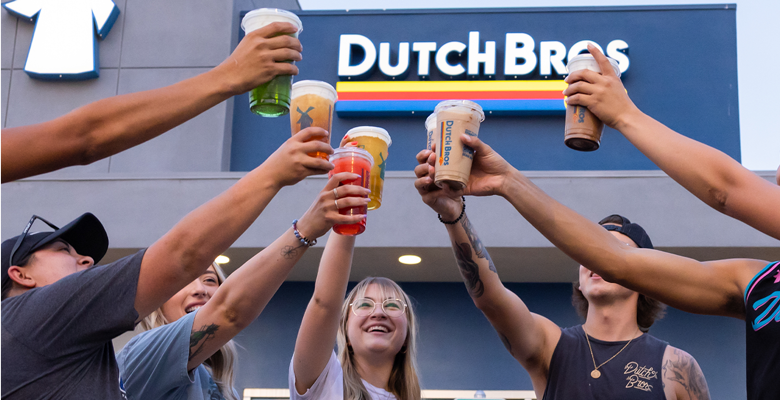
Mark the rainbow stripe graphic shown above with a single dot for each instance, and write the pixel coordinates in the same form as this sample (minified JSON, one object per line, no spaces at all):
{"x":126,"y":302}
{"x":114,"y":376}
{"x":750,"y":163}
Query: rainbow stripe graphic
{"x":387,"y":98}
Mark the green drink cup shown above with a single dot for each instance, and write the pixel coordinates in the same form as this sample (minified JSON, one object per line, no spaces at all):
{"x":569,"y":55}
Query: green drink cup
{"x":271,"y":99}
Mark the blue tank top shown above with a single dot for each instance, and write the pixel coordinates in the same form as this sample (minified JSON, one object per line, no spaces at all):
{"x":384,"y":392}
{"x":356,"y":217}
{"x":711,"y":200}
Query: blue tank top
{"x":634,"y":374}
{"x":762,"y":336}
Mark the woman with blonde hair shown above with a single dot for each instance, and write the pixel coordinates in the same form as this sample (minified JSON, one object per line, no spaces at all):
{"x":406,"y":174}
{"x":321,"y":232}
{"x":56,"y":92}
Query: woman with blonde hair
{"x":376,"y":328}
{"x":186,"y":352}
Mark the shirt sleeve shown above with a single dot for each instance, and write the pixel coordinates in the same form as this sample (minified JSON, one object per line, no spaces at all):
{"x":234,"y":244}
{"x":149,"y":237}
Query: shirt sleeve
{"x":154,"y":363}
{"x":78,"y":312}
{"x":329,"y":385}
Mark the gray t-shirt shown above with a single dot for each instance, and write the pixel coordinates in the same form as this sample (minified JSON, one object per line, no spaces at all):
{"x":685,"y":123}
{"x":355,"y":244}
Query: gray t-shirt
{"x":56,"y":339}
{"x":153,"y":366}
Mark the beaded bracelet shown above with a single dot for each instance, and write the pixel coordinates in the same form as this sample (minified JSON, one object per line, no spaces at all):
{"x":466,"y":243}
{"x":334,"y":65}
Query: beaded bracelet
{"x":304,"y":241}
{"x":462,"y":212}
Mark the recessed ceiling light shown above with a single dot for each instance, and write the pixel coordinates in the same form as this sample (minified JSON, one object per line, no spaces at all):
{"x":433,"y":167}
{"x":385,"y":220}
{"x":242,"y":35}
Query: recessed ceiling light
{"x":222,"y":260}
{"x":409,"y":259}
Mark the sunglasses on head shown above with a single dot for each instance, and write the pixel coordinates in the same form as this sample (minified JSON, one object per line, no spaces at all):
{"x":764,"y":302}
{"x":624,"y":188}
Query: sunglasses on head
{"x":24,"y":235}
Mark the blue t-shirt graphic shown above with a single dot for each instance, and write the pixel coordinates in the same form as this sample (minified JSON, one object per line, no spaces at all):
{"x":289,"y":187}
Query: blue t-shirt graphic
{"x":63,"y":44}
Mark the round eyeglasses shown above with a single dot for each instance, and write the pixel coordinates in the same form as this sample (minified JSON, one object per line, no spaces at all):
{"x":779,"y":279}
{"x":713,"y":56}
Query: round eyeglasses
{"x":391,"y":307}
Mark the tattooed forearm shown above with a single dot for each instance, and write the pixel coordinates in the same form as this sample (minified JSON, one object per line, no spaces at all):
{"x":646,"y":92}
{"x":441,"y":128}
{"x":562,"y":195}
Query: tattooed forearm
{"x":683,"y":369}
{"x":469,"y":269}
{"x":290,"y":252}
{"x":199,"y":338}
{"x":476,"y":243}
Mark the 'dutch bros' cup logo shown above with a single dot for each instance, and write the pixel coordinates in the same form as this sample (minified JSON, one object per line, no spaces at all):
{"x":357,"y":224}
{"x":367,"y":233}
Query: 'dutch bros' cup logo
{"x":471,"y":69}
{"x":64,"y":45}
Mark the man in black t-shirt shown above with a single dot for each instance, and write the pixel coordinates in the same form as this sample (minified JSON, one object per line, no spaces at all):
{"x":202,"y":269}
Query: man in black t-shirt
{"x":60,"y":312}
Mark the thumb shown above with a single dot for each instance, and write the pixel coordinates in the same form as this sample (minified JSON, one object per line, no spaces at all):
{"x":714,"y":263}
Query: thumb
{"x":604,"y":64}
{"x":476,"y":144}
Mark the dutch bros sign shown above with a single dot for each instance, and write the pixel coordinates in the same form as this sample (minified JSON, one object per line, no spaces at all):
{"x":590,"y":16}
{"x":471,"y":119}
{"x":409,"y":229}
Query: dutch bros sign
{"x":358,"y":58}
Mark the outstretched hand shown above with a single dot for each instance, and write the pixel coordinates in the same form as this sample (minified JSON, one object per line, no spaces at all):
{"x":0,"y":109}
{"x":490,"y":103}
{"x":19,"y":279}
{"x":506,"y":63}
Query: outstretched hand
{"x":603,"y":94}
{"x":324,"y":212}
{"x":291,"y":162}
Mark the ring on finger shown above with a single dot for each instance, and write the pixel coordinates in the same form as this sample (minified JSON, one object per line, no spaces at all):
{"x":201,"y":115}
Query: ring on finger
{"x":337,"y":203}
{"x":335,"y":194}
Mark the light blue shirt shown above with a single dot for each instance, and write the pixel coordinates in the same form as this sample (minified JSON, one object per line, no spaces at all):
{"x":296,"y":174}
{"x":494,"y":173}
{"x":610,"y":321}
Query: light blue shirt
{"x":153,"y":365}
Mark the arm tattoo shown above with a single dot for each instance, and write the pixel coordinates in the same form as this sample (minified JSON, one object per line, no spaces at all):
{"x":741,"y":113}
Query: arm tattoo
{"x":469,"y":269}
{"x":290,"y":252}
{"x":682,"y":368}
{"x":476,"y":243}
{"x":199,"y":338}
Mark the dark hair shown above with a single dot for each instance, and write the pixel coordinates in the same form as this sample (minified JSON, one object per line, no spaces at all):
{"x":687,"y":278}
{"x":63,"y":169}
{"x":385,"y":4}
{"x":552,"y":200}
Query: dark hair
{"x":648,"y":310}
{"x":9,"y":283}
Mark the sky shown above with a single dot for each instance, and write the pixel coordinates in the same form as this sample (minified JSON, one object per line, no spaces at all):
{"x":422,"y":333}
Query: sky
{"x":757,"y":54}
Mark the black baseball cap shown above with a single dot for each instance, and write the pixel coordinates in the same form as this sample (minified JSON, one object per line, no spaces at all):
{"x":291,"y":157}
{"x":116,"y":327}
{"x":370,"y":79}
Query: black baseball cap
{"x":626,"y":227}
{"x":85,"y":233}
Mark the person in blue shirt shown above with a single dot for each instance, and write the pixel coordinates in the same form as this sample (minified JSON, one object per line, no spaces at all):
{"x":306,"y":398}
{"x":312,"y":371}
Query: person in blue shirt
{"x":188,"y":353}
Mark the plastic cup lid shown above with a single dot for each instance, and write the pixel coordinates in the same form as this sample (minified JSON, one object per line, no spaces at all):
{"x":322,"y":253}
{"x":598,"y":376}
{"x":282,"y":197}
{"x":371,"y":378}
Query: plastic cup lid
{"x":346,"y":151}
{"x":586,"y":61}
{"x":321,"y":88}
{"x":430,"y":120}
{"x":265,"y":16}
{"x":461,"y":103}
{"x":372,"y":131}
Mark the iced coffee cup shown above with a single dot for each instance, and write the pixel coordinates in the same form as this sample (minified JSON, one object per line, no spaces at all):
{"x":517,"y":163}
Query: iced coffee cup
{"x":271,"y":99}
{"x":312,"y":105}
{"x":430,"y":128}
{"x":356,"y":161}
{"x":583,"y":129}
{"x":453,"y":160}
{"x":376,"y":141}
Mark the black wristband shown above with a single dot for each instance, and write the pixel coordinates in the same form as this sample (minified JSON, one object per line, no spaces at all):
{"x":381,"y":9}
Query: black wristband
{"x":462,"y":212}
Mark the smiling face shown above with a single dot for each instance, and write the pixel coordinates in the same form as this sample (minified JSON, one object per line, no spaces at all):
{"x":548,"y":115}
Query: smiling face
{"x":594,"y":288}
{"x":192,"y":297}
{"x":377,"y":333}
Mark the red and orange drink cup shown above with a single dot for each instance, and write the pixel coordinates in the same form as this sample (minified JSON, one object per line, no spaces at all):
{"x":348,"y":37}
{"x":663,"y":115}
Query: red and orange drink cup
{"x":454,"y":118}
{"x":376,"y":141}
{"x":583,"y":129}
{"x":271,"y":99}
{"x":312,"y":105}
{"x":356,"y":161}
{"x":430,"y":128}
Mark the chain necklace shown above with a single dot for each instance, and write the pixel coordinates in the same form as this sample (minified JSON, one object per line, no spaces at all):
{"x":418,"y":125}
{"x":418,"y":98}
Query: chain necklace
{"x":596,"y":374}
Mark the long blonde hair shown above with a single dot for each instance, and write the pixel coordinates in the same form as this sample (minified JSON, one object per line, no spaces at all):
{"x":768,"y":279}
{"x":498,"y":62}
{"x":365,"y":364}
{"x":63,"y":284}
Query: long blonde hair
{"x":221,"y":364}
{"x":403,"y":382}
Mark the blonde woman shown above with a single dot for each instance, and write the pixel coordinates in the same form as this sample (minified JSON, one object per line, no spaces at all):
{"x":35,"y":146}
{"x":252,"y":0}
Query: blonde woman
{"x":376,"y":330}
{"x":187,"y":353}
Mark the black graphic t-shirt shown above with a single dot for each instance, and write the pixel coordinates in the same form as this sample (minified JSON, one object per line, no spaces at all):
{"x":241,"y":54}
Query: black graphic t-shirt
{"x":762,"y":336}
{"x":635,"y":373}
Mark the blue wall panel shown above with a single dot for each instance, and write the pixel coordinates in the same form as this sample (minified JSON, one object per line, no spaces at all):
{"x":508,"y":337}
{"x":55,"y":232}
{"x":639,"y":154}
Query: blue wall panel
{"x":683,"y":72}
{"x":460,"y":350}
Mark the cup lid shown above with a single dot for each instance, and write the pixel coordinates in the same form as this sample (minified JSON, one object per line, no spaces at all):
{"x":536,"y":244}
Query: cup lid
{"x":272,"y":15}
{"x":461,"y":103}
{"x":586,"y":61}
{"x":372,"y":131}
{"x":345,"y":151}
{"x":317,"y":87}
{"x":431,"y":119}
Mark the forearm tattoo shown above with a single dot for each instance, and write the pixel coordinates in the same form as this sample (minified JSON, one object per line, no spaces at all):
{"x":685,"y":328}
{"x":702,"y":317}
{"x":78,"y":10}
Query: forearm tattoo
{"x":469,"y":269}
{"x":682,"y":368}
{"x":476,"y":243}
{"x":199,"y":338}
{"x":290,"y":252}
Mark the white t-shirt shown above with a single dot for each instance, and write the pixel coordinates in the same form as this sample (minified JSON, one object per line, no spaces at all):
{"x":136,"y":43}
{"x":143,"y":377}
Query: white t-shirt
{"x":330,"y":385}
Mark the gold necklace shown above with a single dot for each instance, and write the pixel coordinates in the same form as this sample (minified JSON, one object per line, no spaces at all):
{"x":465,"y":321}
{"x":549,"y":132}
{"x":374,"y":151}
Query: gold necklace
{"x":596,"y":374}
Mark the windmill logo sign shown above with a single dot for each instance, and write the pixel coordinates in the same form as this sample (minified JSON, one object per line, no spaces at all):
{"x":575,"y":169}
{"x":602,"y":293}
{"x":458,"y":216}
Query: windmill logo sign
{"x":64,"y":44}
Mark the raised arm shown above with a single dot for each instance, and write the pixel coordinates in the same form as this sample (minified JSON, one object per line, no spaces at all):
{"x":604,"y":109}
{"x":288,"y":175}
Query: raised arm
{"x":111,"y":125}
{"x":529,"y":337}
{"x":682,"y":376}
{"x":701,"y":287}
{"x":188,"y":249}
{"x":244,"y":295}
{"x":317,"y":334}
{"x":712,"y":176}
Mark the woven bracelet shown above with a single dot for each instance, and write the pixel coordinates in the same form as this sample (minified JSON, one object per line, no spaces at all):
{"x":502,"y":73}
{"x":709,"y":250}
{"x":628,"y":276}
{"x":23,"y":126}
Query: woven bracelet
{"x":462,"y":212}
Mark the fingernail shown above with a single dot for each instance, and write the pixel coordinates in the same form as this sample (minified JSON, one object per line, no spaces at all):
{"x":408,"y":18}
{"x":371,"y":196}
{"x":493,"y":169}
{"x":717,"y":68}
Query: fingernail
{"x":353,"y":143}
{"x":346,"y":136}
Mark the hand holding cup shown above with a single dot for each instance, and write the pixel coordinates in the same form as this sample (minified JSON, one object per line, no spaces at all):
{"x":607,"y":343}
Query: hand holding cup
{"x":445,"y":202}
{"x":291,"y":162}
{"x":324,"y":212}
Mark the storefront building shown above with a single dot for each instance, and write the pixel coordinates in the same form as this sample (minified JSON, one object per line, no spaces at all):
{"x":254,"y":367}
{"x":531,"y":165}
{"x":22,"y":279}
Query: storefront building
{"x":383,"y":65}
